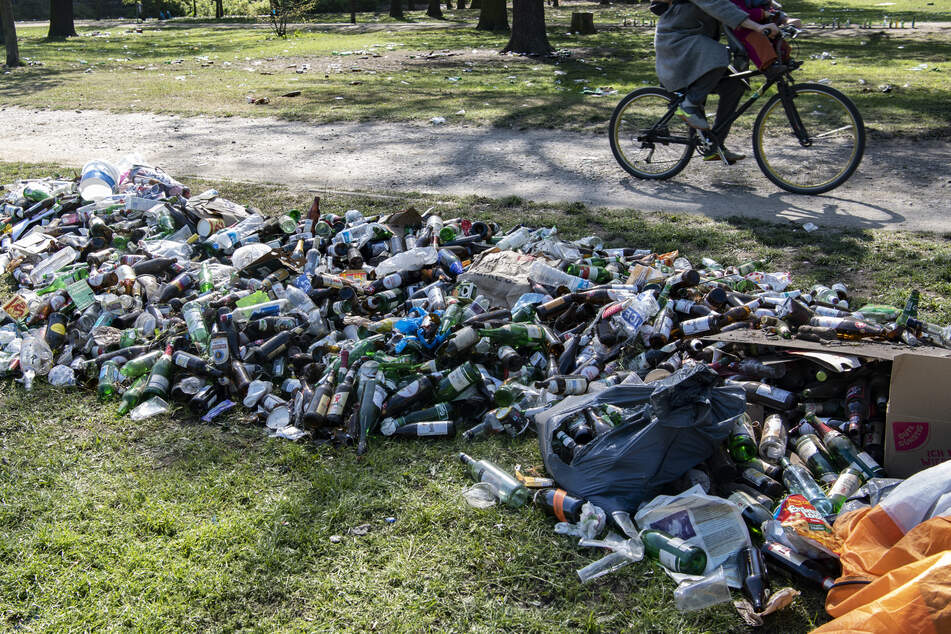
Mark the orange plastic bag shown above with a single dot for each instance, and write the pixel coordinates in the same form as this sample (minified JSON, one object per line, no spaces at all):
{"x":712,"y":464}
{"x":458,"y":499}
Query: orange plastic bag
{"x":896,"y":561}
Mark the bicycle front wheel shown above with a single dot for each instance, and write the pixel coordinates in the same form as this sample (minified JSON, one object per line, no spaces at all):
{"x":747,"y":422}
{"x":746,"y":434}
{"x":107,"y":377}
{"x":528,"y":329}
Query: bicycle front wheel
{"x":647,"y":139}
{"x":825,"y":151}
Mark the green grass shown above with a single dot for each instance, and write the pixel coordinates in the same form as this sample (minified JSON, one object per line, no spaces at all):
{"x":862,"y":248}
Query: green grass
{"x":197,"y":68}
{"x":174,"y":525}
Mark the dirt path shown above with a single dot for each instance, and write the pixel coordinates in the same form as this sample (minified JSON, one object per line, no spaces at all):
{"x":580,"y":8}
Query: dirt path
{"x":900,"y":185}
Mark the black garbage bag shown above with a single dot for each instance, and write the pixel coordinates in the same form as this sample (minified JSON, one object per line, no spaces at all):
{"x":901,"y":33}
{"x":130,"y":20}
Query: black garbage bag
{"x":669,"y":426}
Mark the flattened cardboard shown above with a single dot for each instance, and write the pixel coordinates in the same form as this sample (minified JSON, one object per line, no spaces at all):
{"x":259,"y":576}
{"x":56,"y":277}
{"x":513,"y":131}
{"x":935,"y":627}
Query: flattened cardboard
{"x":883,"y":351}
{"x":918,"y":419}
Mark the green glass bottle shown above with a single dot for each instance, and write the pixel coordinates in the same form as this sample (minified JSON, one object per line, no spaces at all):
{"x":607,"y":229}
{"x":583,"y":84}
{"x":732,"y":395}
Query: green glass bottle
{"x":140,"y":365}
{"x":160,"y":377}
{"x":810,"y":449}
{"x":742,"y":444}
{"x":848,"y":482}
{"x":510,"y":491}
{"x":845,"y":453}
{"x":131,"y":397}
{"x":206,"y":282}
{"x":516,"y":334}
{"x":108,"y":380}
{"x":440,"y":411}
{"x":753,"y":512}
{"x":64,"y":280}
{"x":288,"y":222}
{"x":457,"y":381}
{"x":673,"y":553}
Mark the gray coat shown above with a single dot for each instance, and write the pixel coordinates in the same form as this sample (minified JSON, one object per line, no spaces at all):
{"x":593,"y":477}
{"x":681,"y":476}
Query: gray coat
{"x":686,"y":41}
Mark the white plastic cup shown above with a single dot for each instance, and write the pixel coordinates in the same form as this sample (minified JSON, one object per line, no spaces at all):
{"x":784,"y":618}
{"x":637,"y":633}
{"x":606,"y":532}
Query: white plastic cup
{"x":98,"y":180}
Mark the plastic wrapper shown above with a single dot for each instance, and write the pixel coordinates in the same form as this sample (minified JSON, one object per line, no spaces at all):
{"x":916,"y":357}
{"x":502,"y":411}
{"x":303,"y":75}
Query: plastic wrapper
{"x":708,"y":522}
{"x":590,"y":525}
{"x":152,"y":407}
{"x":704,"y":593}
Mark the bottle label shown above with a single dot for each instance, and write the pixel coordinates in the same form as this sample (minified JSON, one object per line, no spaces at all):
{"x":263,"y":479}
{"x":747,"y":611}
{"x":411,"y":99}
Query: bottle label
{"x":807,"y":451}
{"x":410,"y":390}
{"x":576,"y":386}
{"x":220,"y":351}
{"x":438,"y":428}
{"x":534,"y":332}
{"x":669,"y":560}
{"x":323,"y":405}
{"x":845,"y":485}
{"x":458,"y":379}
{"x":867,"y":461}
{"x":695,"y":326}
{"x":754,"y":476}
{"x":158,"y":381}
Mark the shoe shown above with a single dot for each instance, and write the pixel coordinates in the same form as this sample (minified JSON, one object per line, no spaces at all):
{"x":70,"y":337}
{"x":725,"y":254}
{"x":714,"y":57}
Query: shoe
{"x":775,"y":70}
{"x":693,"y":116}
{"x":731,"y":157}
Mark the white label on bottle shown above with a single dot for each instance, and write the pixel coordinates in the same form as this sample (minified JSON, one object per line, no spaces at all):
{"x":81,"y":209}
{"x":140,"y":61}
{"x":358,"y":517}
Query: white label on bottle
{"x":410,"y":390}
{"x":807,"y":450}
{"x":538,"y":359}
{"x":669,"y":560}
{"x":458,"y":379}
{"x":437,"y":428}
{"x":867,"y":461}
{"x":219,"y":350}
{"x":159,"y":381}
{"x":575,"y":386}
{"x":534,"y":332}
{"x":379,"y":395}
{"x":845,"y":485}
{"x":694,"y":326}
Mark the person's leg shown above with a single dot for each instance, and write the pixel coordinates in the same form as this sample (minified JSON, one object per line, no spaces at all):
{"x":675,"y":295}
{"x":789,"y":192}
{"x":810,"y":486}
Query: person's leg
{"x":695,"y":97}
{"x":730,"y":91}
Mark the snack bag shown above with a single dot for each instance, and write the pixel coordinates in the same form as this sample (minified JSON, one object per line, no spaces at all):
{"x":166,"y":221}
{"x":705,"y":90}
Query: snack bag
{"x":800,"y":526}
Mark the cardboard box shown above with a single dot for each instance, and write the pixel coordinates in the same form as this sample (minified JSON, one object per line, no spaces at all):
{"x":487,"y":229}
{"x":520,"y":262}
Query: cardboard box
{"x":918,"y":420}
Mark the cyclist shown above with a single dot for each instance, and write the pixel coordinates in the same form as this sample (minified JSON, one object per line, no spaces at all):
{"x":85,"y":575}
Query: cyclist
{"x":691,"y":59}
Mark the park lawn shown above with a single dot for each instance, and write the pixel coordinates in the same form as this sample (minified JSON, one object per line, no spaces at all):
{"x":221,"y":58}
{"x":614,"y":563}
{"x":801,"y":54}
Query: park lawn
{"x":385,"y":71}
{"x":175,"y":525}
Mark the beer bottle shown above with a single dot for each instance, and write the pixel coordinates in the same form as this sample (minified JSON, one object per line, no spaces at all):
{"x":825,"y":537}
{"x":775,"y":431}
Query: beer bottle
{"x":753,"y":512}
{"x":721,"y":466}
{"x":315,"y":412}
{"x":175,"y":287}
{"x":798,"y":480}
{"x":191,"y":362}
{"x":567,"y":385}
{"x":140,"y":365}
{"x":206,"y":282}
{"x":510,"y":491}
{"x":456,"y":381}
{"x":440,"y":411}
{"x":856,"y":404}
{"x":741,"y":443}
{"x":570,"y":446}
{"x":415,"y":392}
{"x":565,"y":507}
{"x":794,"y":562}
{"x":810,"y":449}
{"x":761,"y":482}
{"x":754,"y":579}
{"x":848,"y":482}
{"x":517,"y":334}
{"x":673,"y":552}
{"x":131,"y":397}
{"x":197,"y":331}
{"x":426,"y":428}
{"x":767,"y":395}
{"x":160,"y":377}
{"x":845,"y":453}
{"x":338,"y":403}
{"x":772,"y":443}
{"x":108,"y":380}
{"x":770,"y":469}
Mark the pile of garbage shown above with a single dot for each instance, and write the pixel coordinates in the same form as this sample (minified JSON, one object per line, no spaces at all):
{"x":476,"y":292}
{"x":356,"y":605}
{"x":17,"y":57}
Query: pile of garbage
{"x":720,"y":407}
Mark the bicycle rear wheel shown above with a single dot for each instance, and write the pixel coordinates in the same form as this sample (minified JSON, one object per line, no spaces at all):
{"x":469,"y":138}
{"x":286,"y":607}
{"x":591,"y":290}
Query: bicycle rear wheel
{"x":647,"y":140}
{"x":834,"y":139}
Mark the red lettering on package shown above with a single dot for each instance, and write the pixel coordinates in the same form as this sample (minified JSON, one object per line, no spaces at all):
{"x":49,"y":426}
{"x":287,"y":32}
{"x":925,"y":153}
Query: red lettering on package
{"x":909,"y":436}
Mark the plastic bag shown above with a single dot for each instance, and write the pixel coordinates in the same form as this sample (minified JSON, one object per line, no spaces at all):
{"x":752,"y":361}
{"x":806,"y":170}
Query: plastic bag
{"x":670,"y":426}
{"x":708,"y":591}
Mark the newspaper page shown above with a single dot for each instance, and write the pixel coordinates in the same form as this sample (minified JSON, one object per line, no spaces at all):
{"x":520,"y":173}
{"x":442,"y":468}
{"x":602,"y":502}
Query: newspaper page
{"x":711,"y":523}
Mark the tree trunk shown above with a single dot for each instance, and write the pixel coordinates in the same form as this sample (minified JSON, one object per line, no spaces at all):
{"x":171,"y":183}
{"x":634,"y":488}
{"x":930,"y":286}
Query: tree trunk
{"x":582,"y":23}
{"x":460,"y":5}
{"x":493,"y":16}
{"x":448,"y":5}
{"x":554,"y":3}
{"x":353,"y":11}
{"x":9,"y":32}
{"x":194,"y":8}
{"x":61,"y":19}
{"x":528,"y":29}
{"x":475,"y":4}
{"x":434,"y":10}
{"x":219,"y":9}
{"x":411,"y":5}
{"x":396,"y":9}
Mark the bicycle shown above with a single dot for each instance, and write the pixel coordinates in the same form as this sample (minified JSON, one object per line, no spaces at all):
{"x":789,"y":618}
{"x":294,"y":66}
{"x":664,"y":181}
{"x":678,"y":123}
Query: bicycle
{"x":808,"y":138}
